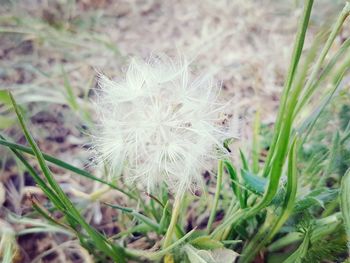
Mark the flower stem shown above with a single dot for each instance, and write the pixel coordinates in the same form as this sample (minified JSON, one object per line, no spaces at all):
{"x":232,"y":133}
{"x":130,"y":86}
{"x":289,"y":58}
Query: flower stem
{"x":216,"y":197}
{"x":174,"y":217}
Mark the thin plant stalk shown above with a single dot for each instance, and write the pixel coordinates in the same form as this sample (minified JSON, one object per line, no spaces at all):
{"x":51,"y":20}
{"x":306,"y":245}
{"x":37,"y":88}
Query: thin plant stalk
{"x":174,"y":218}
{"x":309,"y":88}
{"x":216,"y":197}
{"x":298,"y":47}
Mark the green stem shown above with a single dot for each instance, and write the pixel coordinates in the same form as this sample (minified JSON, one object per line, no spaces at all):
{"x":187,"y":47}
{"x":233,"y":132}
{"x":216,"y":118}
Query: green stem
{"x":298,"y":47}
{"x":216,"y":197}
{"x":284,"y":122}
{"x":173,"y":221}
{"x":309,"y":88}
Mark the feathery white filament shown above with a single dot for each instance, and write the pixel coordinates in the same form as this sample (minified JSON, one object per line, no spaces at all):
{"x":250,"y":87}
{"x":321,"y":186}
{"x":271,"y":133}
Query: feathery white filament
{"x":160,"y":124}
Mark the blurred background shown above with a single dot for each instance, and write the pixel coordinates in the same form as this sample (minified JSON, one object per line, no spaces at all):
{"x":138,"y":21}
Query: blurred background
{"x":51,"y":52}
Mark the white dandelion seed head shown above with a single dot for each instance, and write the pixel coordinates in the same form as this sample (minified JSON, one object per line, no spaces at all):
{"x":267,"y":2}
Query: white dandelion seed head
{"x":160,"y":124}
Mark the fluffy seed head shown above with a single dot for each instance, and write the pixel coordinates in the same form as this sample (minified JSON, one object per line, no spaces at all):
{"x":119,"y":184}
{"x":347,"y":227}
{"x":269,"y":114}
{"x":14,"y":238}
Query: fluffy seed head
{"x":160,"y":124}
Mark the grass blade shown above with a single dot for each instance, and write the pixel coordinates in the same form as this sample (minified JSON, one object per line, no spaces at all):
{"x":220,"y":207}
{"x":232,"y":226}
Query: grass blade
{"x":309,"y":87}
{"x":216,"y":197}
{"x":116,"y":253}
{"x":298,"y":47}
{"x":61,"y":164}
{"x":234,"y":178}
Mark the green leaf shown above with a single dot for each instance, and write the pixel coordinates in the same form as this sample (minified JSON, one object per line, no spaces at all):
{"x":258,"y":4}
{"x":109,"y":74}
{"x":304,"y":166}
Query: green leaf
{"x":254,"y":183}
{"x":300,"y":253}
{"x":245,"y":167}
{"x":165,"y":219}
{"x":220,"y":255}
{"x":244,"y":160}
{"x":317,"y":197}
{"x":206,"y":242}
{"x":234,"y":180}
{"x":197,"y":256}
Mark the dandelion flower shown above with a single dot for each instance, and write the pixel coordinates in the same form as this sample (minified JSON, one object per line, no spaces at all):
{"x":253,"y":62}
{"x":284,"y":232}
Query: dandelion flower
{"x":160,"y":124}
